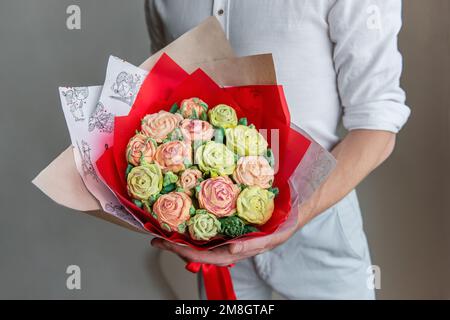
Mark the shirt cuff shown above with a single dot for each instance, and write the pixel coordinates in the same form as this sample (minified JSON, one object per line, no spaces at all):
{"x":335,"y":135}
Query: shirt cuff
{"x":384,"y":115}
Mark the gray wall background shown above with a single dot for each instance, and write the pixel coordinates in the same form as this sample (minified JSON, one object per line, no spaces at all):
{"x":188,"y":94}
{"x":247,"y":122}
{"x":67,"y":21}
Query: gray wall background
{"x":406,"y":216}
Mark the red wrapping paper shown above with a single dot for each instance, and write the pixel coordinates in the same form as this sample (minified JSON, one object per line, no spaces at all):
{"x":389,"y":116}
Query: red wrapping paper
{"x":263,"y":105}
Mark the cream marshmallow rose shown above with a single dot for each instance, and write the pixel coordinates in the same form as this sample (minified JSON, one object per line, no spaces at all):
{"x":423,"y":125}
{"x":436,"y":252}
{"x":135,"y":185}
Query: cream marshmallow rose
{"x":255,"y":205}
{"x":245,"y":141}
{"x":203,"y":226}
{"x":223,"y":116}
{"x":144,"y":181}
{"x":215,"y":159}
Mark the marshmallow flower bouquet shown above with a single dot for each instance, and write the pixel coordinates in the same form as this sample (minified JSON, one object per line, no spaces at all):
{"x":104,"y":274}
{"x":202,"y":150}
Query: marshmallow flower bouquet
{"x":195,"y":146}
{"x":201,"y":170}
{"x":199,"y":164}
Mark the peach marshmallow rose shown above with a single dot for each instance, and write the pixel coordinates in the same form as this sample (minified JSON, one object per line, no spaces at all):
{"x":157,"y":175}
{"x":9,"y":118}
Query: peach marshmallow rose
{"x":173,"y":156}
{"x":172,"y":211}
{"x":254,"y":171}
{"x":159,"y":125}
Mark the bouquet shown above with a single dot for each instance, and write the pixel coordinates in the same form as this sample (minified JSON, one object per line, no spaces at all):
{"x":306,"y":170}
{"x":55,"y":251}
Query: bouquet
{"x":199,"y":150}
{"x":210,"y":153}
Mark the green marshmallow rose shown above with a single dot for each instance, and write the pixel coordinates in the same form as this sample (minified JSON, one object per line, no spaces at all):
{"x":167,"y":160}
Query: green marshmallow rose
{"x":245,"y":141}
{"x":215,"y":159}
{"x":223,"y":116}
{"x":203,"y":226}
{"x":232,"y":226}
{"x":144,"y":181}
{"x":255,"y":205}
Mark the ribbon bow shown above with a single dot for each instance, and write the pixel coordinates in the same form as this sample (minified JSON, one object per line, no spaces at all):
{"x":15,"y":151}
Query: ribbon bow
{"x":217,"y":280}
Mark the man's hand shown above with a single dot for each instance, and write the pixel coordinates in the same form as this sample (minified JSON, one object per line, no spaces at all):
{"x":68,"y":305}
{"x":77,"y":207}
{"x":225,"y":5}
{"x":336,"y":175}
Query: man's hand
{"x":226,"y":255}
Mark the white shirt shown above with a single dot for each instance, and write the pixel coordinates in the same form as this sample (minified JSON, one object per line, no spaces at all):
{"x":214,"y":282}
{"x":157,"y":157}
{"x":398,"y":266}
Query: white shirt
{"x":337,"y":59}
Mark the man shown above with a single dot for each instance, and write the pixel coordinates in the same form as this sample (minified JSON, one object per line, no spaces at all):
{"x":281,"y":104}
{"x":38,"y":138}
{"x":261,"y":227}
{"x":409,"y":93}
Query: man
{"x":338,"y":60}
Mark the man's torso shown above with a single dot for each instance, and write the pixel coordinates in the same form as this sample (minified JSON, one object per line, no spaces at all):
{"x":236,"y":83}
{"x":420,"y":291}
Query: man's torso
{"x":294,"y":31}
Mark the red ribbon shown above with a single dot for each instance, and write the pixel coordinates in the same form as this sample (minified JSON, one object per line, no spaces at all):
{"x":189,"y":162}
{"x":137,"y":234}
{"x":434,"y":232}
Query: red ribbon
{"x":217,"y":280}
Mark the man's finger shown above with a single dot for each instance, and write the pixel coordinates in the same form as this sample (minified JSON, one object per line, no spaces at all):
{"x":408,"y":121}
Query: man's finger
{"x":219,"y":256}
{"x":252,"y":245}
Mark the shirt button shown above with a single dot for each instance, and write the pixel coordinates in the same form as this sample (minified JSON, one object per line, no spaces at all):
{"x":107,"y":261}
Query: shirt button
{"x":220,"y":12}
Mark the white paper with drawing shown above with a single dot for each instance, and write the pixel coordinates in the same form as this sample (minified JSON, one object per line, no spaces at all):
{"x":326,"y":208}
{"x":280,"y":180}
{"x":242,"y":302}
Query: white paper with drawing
{"x":89,"y":113}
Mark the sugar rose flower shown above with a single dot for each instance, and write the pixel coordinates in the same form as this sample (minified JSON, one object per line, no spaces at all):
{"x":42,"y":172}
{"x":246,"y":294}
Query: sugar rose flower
{"x":203,"y":226}
{"x":144,"y":181}
{"x":172,"y":211}
{"x":140,"y":147}
{"x":254,"y":171}
{"x":215,"y":158}
{"x":173,"y":156}
{"x":255,"y":205}
{"x":189,"y":180}
{"x":218,"y":196}
{"x":245,"y":141}
{"x":196,"y":130}
{"x":223,"y":116}
{"x":193,"y":107}
{"x":159,"y":125}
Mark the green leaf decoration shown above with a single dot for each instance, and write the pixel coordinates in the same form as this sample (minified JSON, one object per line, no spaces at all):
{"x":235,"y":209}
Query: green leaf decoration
{"x":129,"y":167}
{"x":175,"y":135}
{"x":152,"y":199}
{"x":275,"y":191}
{"x":219,"y":135}
{"x":232,"y":226}
{"x":174,"y":108}
{"x":214,"y":174}
{"x":192,"y":211}
{"x":169,"y":178}
{"x":250,"y":229}
{"x":243,"y":121}
{"x":169,"y":188}
{"x":198,"y":188}
{"x":166,"y":227}
{"x":194,"y":115}
{"x":138,"y":203}
{"x":204,"y":116}
{"x":242,"y":186}
{"x":187,"y":163}
{"x":182,"y":228}
{"x":270,"y":157}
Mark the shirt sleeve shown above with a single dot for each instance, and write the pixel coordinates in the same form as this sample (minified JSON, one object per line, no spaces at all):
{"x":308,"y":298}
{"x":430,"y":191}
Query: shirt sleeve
{"x":368,"y":63}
